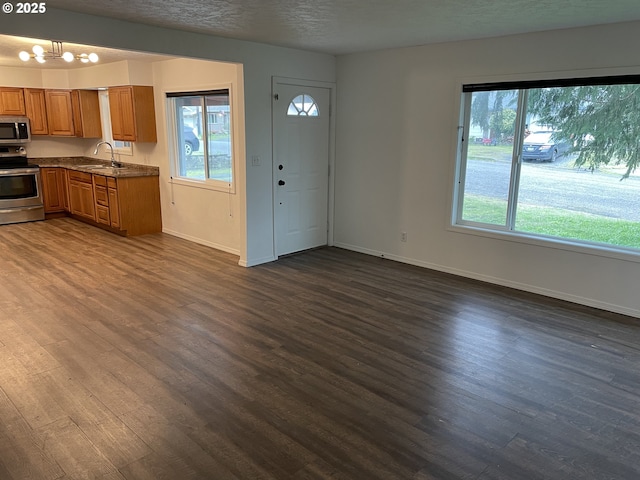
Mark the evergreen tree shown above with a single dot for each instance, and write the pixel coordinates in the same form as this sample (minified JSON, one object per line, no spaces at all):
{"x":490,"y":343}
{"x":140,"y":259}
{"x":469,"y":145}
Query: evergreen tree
{"x":601,"y":123}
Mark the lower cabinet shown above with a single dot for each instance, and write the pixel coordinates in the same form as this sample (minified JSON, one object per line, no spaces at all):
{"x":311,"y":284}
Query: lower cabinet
{"x":54,"y":189}
{"x":114,"y":207}
{"x":81,"y":200}
{"x":124,"y":205}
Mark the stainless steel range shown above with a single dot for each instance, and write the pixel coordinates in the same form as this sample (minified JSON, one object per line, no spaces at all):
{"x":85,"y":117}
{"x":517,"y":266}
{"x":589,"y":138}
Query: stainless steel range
{"x":20,"y":187}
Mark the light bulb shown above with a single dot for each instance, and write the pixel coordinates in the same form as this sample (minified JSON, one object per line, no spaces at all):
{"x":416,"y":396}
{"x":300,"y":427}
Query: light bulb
{"x":24,"y":56}
{"x":93,"y":58}
{"x":39,"y":59}
{"x":38,"y":50}
{"x":67,"y":56}
{"x":84,"y":58}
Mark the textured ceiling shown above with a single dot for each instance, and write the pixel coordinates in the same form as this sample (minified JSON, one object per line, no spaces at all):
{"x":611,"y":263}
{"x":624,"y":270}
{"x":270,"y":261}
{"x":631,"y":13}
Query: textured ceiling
{"x":334,"y":26}
{"x":346,"y":26}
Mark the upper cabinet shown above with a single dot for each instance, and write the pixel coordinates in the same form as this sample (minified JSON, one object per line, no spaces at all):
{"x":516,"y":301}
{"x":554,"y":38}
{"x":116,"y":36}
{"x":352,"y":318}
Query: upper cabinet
{"x":86,"y":113}
{"x":11,"y":101}
{"x":36,"y":110}
{"x":59,"y":113}
{"x":133,"y":115}
{"x":69,"y":113}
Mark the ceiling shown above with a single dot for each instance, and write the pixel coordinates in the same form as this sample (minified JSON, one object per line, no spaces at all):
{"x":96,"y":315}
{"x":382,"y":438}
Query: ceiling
{"x":345,"y":26}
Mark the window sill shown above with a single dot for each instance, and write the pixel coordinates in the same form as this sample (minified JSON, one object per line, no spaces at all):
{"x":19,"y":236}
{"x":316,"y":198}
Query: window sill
{"x":214,"y":185}
{"x":599,"y":250}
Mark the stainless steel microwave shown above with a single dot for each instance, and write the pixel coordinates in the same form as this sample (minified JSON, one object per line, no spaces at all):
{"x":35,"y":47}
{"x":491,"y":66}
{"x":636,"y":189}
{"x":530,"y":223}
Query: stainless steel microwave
{"x":14,"y":130}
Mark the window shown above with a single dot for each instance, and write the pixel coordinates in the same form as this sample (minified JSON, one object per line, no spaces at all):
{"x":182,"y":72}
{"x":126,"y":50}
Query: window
{"x":552,"y":159}
{"x":303,"y":106}
{"x":200,"y":126}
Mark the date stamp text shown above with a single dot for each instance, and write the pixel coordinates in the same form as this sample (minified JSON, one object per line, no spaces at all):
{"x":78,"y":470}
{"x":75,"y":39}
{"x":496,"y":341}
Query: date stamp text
{"x":24,"y":7}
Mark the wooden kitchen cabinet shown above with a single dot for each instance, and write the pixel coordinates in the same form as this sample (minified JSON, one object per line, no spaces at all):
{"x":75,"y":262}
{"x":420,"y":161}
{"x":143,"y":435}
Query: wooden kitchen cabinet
{"x":73,"y":113}
{"x":86,"y":113}
{"x":123,"y":205}
{"x":59,"y":113}
{"x":36,"y":110}
{"x":81,"y":199}
{"x":130,"y":205}
{"x":53,"y":189}
{"x":103,"y":205}
{"x":139,"y":205}
{"x":133,"y":115}
{"x":114,"y":204}
{"x":11,"y":101}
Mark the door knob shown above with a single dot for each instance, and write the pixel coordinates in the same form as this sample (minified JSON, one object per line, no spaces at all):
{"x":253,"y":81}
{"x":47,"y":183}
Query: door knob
{"x":280,"y":182}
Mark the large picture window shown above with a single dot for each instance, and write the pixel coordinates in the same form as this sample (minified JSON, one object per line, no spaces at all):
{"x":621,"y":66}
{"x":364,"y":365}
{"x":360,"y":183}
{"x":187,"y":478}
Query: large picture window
{"x":552,"y":159}
{"x":202,"y":136}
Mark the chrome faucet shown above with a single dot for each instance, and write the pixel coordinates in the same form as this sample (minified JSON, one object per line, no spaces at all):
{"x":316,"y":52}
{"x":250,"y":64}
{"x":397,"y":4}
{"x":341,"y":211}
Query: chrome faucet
{"x":114,"y":164}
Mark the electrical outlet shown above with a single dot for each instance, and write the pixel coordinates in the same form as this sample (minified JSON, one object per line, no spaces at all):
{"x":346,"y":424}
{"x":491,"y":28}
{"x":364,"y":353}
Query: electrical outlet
{"x":403,"y":236}
{"x":255,"y":161}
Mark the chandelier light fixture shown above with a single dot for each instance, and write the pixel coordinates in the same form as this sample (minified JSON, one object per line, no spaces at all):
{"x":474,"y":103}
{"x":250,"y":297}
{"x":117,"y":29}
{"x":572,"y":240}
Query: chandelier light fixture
{"x":40,"y":55}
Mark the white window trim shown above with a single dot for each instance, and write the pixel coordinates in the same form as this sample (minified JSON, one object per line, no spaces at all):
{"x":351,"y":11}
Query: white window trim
{"x":470,"y":228}
{"x":172,"y":144}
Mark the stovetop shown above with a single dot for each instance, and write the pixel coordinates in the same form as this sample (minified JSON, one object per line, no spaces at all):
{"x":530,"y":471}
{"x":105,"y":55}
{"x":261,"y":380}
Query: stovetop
{"x":13,"y":157}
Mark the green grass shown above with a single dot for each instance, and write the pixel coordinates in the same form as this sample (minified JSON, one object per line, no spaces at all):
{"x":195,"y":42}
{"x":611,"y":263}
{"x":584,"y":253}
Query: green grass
{"x":489,"y":153}
{"x":555,"y":222}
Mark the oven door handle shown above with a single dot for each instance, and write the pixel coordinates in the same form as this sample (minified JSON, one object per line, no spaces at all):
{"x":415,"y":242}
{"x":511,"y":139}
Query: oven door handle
{"x":18,"y":171}
{"x":12,"y":210}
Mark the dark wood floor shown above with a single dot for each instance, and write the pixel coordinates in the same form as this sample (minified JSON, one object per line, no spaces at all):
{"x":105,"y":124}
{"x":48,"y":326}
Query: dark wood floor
{"x":155,"y":358}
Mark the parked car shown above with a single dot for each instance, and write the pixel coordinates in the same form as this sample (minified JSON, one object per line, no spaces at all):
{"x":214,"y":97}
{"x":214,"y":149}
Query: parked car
{"x":541,"y":146}
{"x":191,"y":142}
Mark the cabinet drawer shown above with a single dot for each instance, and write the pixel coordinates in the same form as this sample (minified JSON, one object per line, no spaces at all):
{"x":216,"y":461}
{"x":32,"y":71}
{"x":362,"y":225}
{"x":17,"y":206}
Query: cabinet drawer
{"x":79,"y":176}
{"x":102,"y":214}
{"x":102,"y":196}
{"x":100,"y":180}
{"x":111,"y":182}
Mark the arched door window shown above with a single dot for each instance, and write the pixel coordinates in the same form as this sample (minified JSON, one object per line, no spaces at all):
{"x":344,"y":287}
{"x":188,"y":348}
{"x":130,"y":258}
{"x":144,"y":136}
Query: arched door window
{"x":303,"y":106}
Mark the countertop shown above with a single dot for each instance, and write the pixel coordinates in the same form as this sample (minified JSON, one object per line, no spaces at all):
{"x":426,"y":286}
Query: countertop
{"x":88,"y":165}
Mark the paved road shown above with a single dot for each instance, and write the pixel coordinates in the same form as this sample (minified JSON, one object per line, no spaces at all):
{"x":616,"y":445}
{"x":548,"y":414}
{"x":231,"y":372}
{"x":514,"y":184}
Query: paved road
{"x":559,"y":185}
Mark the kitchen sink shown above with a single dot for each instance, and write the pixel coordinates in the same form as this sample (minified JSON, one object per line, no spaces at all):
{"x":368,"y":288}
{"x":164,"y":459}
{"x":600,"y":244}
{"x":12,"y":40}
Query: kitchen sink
{"x":101,"y":167}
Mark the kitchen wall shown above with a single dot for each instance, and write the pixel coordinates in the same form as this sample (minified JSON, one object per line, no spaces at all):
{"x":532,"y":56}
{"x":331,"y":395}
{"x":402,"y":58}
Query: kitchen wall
{"x":260,"y":63}
{"x":396,"y":146}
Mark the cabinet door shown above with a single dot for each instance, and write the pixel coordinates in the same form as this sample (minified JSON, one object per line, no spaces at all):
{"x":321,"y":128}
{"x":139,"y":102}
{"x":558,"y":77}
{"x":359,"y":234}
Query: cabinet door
{"x":11,"y":101}
{"x":86,"y":113}
{"x":114,"y":207}
{"x":36,"y":110}
{"x":59,"y":113}
{"x":133,"y":115}
{"x":52,"y":189}
{"x":121,"y":108}
{"x":81,"y":199}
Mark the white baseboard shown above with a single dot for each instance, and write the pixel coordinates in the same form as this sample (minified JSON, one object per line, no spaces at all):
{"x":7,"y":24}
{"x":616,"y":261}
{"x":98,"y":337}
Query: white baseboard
{"x":200,"y":241}
{"x":589,"y":302}
{"x":256,"y":261}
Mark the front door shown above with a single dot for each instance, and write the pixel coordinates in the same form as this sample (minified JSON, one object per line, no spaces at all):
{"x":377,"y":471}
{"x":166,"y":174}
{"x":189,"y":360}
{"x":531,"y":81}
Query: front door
{"x":301,"y":166}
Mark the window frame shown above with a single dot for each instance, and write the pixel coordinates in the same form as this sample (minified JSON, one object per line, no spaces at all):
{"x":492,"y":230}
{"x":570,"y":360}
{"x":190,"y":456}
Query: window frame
{"x":173,"y":137}
{"x":523,"y":82}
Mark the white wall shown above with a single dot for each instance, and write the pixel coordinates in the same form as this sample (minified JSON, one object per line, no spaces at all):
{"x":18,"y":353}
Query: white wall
{"x":397,"y":117}
{"x":207,"y":216}
{"x":259,"y":62}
